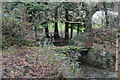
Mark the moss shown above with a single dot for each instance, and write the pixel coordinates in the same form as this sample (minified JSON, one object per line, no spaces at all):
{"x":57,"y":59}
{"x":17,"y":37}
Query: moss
{"x":10,"y":50}
{"x":93,"y":50}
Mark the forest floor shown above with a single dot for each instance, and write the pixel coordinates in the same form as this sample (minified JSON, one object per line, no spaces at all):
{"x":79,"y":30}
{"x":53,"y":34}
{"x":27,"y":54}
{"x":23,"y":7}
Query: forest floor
{"x":37,"y":62}
{"x":27,"y":63}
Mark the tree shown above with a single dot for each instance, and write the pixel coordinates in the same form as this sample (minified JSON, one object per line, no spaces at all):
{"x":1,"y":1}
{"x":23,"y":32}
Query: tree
{"x":89,"y":14}
{"x":56,"y":33}
{"x":66,"y":25}
{"x":71,"y":34}
{"x":24,"y":15}
{"x":47,"y":32}
{"x":14,"y":24}
{"x":70,"y":10}
{"x":106,"y":14}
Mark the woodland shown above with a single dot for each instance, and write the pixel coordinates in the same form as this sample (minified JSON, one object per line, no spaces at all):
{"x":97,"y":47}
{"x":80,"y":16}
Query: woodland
{"x":59,"y":39}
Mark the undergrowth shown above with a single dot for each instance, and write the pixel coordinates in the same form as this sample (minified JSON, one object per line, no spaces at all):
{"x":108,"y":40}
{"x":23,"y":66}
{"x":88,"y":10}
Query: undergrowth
{"x":39,"y":62}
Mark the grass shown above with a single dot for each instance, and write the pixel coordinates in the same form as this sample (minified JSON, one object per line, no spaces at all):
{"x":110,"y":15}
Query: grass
{"x":61,"y":27}
{"x":97,"y":26}
{"x":10,"y":50}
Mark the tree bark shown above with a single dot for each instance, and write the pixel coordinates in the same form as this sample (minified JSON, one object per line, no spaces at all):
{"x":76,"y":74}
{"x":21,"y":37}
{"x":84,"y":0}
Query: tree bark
{"x":66,"y":25}
{"x":88,"y":24}
{"x":71,"y":33}
{"x":35,"y":31}
{"x":106,"y":15}
{"x":56,"y":32}
{"x":89,"y":14}
{"x":47,"y":32}
{"x":78,"y":28}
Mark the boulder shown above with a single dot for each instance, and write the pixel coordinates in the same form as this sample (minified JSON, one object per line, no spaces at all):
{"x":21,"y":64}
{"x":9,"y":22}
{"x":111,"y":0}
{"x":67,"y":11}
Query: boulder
{"x":96,"y":58}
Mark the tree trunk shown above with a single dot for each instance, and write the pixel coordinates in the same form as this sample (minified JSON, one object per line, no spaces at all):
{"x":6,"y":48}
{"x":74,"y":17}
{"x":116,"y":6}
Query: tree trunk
{"x":66,"y":26}
{"x":35,"y":31}
{"x":71,"y":34}
{"x":106,"y":15}
{"x":56,"y":32}
{"x":47,"y":32}
{"x":78,"y":28}
{"x":88,"y":29}
{"x":88,"y":22}
{"x":89,"y":14}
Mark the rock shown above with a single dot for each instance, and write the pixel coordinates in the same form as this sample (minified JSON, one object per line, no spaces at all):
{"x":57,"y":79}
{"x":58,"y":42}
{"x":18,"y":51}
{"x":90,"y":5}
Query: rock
{"x":77,"y":40}
{"x":99,"y":58}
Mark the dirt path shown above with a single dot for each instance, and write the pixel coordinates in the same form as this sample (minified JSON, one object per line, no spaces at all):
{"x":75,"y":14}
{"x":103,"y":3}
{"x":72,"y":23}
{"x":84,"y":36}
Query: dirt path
{"x":93,"y":72}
